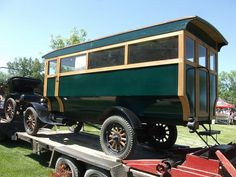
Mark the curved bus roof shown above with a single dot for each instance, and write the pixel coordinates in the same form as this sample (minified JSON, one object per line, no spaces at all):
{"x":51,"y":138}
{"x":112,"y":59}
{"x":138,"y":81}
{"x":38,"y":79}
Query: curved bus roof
{"x":195,"y":25}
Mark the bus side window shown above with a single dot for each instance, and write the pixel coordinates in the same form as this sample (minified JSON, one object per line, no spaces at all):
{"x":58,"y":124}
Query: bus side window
{"x":74,"y":63}
{"x":52,"y":65}
{"x":202,"y":55}
{"x":160,"y":49}
{"x":106,"y":58}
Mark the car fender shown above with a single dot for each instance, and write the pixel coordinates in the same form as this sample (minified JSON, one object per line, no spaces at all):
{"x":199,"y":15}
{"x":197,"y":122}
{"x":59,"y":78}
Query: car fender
{"x":41,"y":110}
{"x":125,"y":113}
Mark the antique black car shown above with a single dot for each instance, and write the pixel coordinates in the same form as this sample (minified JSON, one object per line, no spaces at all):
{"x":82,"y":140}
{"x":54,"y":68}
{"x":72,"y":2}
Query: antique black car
{"x":17,"y":94}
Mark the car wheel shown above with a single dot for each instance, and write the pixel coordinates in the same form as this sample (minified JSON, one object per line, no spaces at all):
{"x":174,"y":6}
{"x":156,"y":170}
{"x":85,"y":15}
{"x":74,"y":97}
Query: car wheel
{"x":31,"y":121}
{"x":162,"y":136}
{"x":117,"y":137}
{"x":96,"y":173}
{"x":10,"y":109}
{"x":65,"y":166}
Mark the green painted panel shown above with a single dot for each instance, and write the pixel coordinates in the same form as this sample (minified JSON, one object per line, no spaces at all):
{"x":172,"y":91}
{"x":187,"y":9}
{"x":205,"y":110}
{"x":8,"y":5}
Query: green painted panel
{"x":51,"y":87}
{"x":147,"y":108}
{"x":158,"y":81}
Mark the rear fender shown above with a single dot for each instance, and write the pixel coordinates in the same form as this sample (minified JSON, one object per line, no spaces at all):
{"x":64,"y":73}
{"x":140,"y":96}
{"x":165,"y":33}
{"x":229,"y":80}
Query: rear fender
{"x":125,"y":113}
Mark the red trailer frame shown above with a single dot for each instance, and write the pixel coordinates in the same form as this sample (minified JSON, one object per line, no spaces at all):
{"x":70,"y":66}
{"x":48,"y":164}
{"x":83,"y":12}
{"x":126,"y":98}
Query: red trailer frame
{"x":217,"y":161}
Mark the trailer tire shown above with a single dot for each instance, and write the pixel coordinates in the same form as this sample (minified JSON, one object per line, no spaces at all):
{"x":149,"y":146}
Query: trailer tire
{"x":66,"y":164}
{"x":162,"y":136}
{"x":10,"y":109}
{"x":96,"y":173}
{"x":31,"y":121}
{"x":117,"y":137}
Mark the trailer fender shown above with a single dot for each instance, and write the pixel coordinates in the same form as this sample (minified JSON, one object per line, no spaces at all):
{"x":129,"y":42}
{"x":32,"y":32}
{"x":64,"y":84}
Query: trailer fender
{"x":125,"y":113}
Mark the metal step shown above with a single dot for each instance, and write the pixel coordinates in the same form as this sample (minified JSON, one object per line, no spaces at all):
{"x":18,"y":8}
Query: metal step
{"x":209,"y":132}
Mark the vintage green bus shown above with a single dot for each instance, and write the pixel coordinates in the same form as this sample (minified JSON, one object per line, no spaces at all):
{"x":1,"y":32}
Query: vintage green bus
{"x":139,"y":84}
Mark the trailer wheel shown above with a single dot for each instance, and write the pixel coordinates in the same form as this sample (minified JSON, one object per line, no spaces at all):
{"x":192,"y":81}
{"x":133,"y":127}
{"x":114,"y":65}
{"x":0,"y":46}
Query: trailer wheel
{"x":96,"y":173}
{"x":10,"y":109}
{"x":65,"y":166}
{"x":117,"y":137}
{"x":31,"y":121}
{"x":162,"y":136}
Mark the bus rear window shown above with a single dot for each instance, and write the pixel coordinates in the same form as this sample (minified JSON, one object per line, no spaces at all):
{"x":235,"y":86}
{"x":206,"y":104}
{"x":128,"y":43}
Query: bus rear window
{"x":202,"y":55}
{"x":105,"y":58}
{"x":189,"y":49}
{"x":160,"y":49}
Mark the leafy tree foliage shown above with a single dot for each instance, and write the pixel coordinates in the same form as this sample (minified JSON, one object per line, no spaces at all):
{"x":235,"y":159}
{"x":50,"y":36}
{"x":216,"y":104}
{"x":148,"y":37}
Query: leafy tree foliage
{"x":26,"y":67}
{"x":3,"y":77}
{"x":76,"y":37}
{"x":227,"y":86}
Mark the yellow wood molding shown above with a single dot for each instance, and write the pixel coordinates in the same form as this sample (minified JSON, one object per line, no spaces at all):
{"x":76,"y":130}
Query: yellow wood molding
{"x":126,"y":54}
{"x":122,"y":67}
{"x":60,"y":102}
{"x":181,"y":67}
{"x":185,"y":107}
{"x":45,"y":78}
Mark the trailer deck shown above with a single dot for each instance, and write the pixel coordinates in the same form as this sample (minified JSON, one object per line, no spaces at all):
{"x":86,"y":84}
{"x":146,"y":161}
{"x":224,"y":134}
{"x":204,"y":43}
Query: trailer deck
{"x":84,"y":148}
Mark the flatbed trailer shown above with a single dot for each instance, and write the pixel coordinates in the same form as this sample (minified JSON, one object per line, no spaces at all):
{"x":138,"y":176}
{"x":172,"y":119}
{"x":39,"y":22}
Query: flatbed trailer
{"x":80,"y":155}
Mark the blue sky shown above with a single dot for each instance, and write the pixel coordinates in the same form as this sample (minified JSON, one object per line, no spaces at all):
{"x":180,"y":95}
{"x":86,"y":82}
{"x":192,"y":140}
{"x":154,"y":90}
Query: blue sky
{"x":26,"y":26}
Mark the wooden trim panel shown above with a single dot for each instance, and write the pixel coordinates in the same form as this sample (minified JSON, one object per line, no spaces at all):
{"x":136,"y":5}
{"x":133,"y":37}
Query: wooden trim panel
{"x":121,"y":67}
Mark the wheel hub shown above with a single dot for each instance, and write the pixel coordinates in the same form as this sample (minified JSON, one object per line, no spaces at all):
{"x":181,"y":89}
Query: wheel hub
{"x":117,"y":138}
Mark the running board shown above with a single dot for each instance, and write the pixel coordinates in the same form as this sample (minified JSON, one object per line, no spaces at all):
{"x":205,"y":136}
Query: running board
{"x":53,"y":119}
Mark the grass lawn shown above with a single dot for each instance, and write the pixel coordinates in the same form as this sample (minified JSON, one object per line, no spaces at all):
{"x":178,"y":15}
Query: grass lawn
{"x":17,"y":160}
{"x":228,"y":134}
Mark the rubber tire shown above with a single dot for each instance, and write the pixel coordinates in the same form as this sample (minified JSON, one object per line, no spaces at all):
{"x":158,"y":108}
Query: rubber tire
{"x":37,"y":122}
{"x":96,"y":173}
{"x":168,"y":143}
{"x":130,"y":132}
{"x":13,"y":102}
{"x":70,"y":163}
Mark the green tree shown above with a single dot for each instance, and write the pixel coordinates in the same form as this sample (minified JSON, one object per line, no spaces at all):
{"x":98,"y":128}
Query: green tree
{"x":26,"y":67}
{"x":76,"y":37}
{"x":227,"y":86}
{"x":3,"y":77}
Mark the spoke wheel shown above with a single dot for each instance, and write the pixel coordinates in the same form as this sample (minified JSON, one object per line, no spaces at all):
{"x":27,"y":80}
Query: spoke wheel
{"x":117,"y":137}
{"x":31,"y":122}
{"x":10,"y":109}
{"x":162,"y":136}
